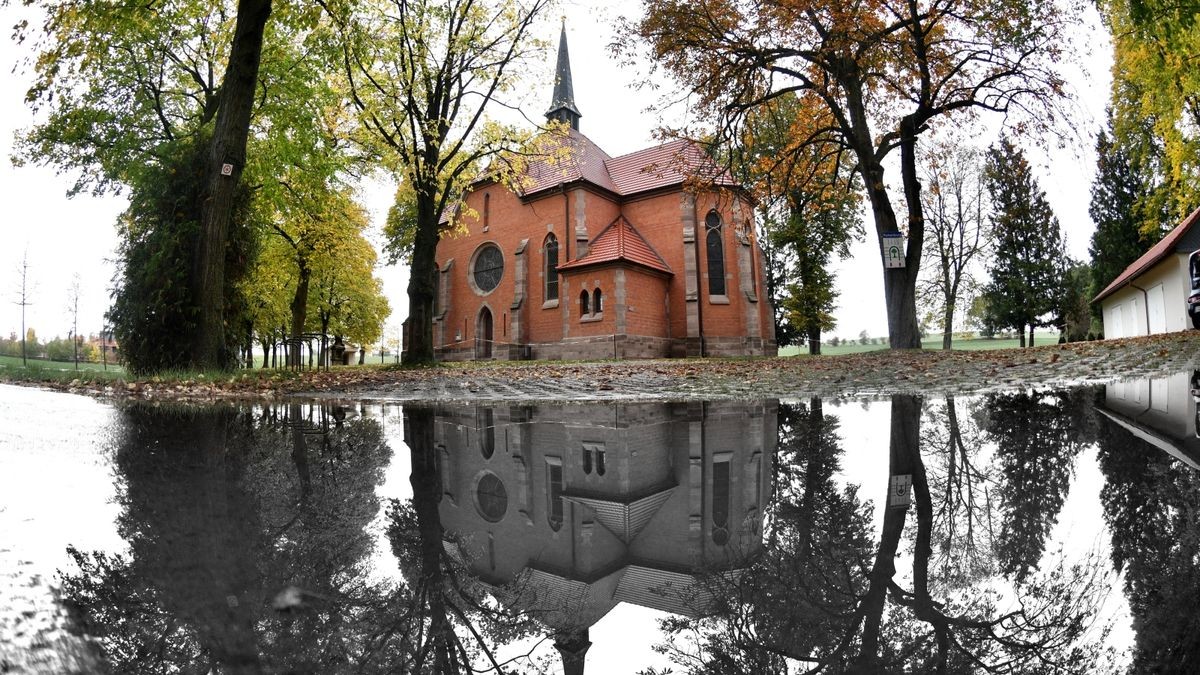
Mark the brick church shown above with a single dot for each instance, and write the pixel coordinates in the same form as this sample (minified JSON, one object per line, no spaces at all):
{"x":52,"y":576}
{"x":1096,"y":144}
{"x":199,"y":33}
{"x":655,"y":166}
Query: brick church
{"x":604,"y":257}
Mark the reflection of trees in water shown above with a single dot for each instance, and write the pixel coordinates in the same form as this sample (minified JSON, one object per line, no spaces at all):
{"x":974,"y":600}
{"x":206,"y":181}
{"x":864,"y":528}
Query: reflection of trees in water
{"x":456,"y":624}
{"x":1152,"y":506}
{"x":249,"y":552}
{"x":227,"y":512}
{"x":1038,"y":435}
{"x":825,"y":597}
{"x":797,"y":600}
{"x":962,"y":488}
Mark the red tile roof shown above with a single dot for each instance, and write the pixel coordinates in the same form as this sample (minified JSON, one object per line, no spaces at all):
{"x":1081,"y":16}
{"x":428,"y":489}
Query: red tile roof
{"x":672,"y":163}
{"x":667,"y":164}
{"x":1150,"y":258}
{"x":583,"y":161}
{"x":663,"y":165}
{"x":619,"y":242}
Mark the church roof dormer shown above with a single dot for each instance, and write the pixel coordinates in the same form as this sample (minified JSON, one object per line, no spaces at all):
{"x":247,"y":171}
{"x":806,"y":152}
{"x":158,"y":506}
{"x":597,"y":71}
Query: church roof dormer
{"x":562,"y":106}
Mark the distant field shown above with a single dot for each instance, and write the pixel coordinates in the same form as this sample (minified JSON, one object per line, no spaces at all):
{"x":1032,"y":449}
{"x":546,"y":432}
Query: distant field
{"x":932,"y":343}
{"x":15,"y":362}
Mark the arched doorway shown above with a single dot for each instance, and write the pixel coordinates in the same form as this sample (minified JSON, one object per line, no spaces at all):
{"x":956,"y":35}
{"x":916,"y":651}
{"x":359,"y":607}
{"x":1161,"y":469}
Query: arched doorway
{"x":483,"y":335}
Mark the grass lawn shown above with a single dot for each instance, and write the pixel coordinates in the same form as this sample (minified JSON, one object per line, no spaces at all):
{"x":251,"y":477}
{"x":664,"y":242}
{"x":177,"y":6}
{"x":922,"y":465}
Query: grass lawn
{"x":14,"y":362}
{"x":930,"y":343}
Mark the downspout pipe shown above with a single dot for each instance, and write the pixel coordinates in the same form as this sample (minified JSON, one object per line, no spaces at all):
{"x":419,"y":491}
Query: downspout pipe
{"x":699,"y":288}
{"x":562,"y":187}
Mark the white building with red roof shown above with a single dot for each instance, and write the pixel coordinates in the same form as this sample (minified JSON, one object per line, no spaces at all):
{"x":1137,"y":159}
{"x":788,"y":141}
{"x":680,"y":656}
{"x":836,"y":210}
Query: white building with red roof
{"x":648,"y":254}
{"x":1150,"y":296}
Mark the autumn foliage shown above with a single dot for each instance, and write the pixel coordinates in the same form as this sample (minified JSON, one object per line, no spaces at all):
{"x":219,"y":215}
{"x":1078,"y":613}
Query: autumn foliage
{"x":871,"y":78}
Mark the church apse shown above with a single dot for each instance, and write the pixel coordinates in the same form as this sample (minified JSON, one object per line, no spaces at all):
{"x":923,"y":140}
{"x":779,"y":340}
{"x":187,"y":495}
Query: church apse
{"x":567,"y":511}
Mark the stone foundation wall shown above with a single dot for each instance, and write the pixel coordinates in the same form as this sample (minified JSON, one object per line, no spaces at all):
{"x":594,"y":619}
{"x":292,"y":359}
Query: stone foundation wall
{"x":615,"y":347}
{"x":739,"y":346}
{"x":604,"y":347}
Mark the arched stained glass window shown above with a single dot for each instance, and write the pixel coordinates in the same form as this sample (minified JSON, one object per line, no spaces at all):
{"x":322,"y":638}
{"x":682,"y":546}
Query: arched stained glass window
{"x":487,"y":433}
{"x":583,"y":303}
{"x":715,"y":251}
{"x":720,"y":503}
{"x":597,"y":301}
{"x":551,"y":262}
{"x":554,"y":507}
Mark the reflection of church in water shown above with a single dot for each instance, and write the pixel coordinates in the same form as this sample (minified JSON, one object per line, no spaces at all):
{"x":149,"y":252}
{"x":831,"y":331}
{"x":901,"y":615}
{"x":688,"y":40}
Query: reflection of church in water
{"x":576,"y":509}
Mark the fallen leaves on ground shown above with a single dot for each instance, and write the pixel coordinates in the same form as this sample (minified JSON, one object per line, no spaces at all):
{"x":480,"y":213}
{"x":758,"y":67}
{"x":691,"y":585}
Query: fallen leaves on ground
{"x":876,"y":372}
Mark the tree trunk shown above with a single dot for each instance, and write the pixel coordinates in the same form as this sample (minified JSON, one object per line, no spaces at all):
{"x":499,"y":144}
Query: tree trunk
{"x":1021,"y":332}
{"x":814,"y":340}
{"x":427,"y":488}
{"x":324,"y":359}
{"x":299,"y":311}
{"x":948,"y":325}
{"x":228,"y":147}
{"x":899,"y":283}
{"x":418,"y":334}
{"x":1031,"y":335}
{"x":925,"y":608}
{"x":903,"y":459}
{"x":909,"y":329}
{"x":266,"y":345}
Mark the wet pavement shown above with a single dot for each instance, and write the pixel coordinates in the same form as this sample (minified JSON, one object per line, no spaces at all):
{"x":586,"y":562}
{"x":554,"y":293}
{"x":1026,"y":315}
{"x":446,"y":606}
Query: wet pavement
{"x":1033,"y":530}
{"x":874,"y":374}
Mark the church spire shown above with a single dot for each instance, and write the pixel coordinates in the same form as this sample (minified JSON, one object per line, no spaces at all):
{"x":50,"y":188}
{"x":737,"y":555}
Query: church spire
{"x":573,"y":646}
{"x":562,"y":107}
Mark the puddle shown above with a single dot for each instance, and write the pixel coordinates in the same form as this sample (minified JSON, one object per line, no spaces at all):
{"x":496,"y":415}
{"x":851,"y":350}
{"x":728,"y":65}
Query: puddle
{"x":1029,"y":529}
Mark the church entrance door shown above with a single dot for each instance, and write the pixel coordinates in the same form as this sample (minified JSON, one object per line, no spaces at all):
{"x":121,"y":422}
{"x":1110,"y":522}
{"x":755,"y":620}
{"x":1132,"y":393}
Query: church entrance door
{"x":483,"y":339}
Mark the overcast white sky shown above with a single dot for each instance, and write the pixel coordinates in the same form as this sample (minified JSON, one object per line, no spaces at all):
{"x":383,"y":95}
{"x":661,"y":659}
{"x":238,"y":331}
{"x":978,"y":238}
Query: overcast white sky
{"x":64,"y":237}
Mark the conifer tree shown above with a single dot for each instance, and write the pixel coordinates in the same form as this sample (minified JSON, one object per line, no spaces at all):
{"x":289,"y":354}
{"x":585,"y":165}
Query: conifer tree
{"x":1117,"y":241}
{"x":1027,"y":269}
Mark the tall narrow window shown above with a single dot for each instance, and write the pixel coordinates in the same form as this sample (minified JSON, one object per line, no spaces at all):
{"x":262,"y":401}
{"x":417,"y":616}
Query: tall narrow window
{"x":720,"y":503}
{"x":487,"y":433}
{"x":597,"y":301}
{"x":487,"y":211}
{"x":593,"y":458}
{"x":437,"y":287}
{"x":554,"y":507}
{"x":551,"y":261}
{"x":444,"y":470}
{"x":715,"y":249}
{"x":583,"y":303}
{"x":753,"y":272}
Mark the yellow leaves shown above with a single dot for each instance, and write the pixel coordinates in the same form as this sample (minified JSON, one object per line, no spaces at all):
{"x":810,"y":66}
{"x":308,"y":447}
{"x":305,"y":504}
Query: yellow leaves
{"x":1157,"y":84}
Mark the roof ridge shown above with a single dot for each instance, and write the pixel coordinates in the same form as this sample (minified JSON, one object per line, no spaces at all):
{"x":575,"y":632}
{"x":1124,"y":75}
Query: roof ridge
{"x":623,"y":251}
{"x":656,"y":146}
{"x":1159,"y":250}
